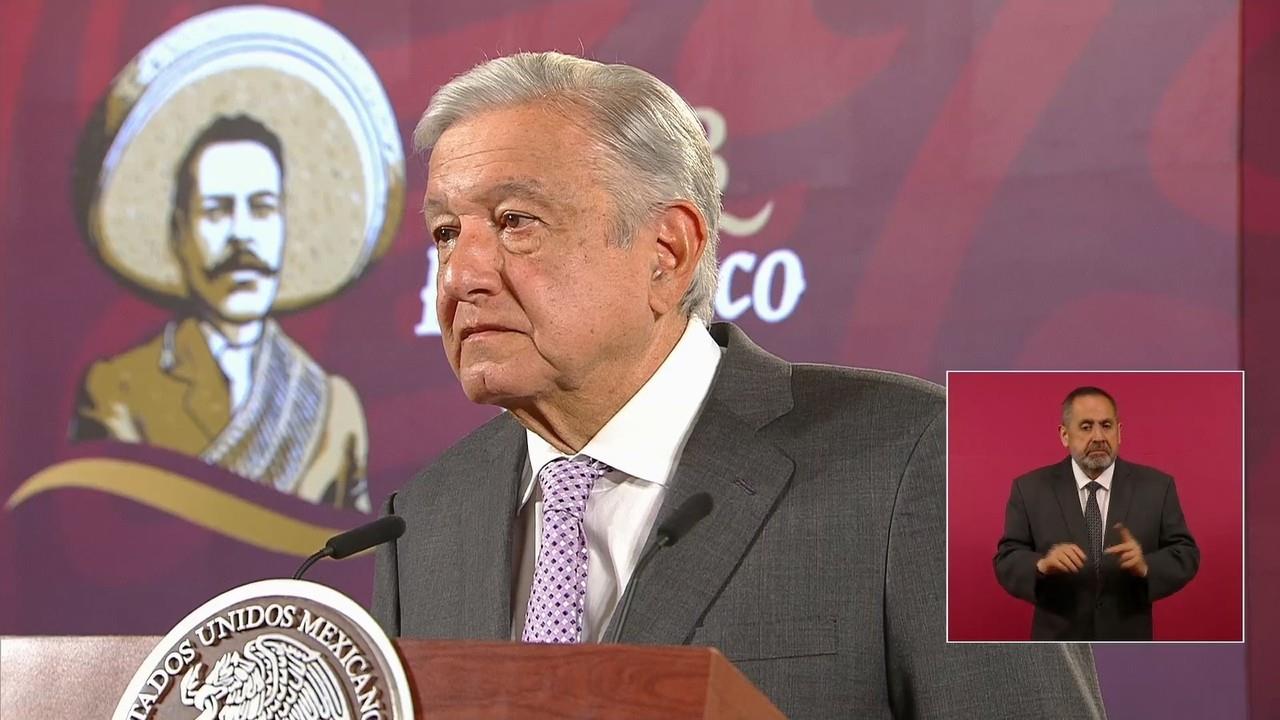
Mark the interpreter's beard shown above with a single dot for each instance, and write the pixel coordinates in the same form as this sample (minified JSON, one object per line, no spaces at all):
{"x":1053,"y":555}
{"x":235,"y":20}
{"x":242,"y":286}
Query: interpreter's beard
{"x":1097,"y":461}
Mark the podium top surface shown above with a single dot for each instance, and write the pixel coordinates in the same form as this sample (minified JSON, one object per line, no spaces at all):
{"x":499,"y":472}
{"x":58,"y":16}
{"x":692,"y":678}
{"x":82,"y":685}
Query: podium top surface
{"x":74,"y":677}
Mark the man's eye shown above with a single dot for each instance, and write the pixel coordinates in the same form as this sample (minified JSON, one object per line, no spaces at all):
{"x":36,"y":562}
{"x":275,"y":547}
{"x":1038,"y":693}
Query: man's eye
{"x":214,"y":211}
{"x":444,"y":235}
{"x":514,"y":221}
{"x":263,"y":209}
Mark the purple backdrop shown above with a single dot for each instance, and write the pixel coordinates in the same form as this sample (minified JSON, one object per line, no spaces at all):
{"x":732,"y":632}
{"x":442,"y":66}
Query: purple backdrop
{"x":916,"y":185}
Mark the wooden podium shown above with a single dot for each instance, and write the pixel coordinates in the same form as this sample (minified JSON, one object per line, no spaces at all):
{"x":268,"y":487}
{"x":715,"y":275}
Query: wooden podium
{"x":83,"y":677}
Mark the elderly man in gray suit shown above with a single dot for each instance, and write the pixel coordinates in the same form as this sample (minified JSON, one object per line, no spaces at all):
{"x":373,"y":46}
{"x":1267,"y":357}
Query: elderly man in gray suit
{"x":574,"y":206}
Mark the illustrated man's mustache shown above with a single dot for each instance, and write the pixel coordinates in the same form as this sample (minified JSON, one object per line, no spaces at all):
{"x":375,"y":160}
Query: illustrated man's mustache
{"x":240,"y":259}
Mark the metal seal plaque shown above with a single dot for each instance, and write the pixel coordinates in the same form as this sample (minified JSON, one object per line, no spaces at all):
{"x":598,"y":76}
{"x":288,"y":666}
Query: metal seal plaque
{"x":272,"y":650}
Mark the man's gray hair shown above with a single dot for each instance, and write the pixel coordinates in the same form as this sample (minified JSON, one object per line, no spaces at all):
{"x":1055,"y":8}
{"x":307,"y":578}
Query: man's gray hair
{"x":1083,"y":391}
{"x":654,"y":141}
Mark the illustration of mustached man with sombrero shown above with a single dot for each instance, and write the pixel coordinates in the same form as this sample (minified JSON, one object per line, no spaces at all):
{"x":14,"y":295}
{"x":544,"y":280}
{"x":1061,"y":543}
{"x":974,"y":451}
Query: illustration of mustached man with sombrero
{"x":277,"y":150}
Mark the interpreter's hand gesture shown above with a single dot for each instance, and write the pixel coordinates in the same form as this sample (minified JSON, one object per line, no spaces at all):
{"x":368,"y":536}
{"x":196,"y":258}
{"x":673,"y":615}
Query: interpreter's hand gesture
{"x":1128,"y":552}
{"x":1061,"y":558}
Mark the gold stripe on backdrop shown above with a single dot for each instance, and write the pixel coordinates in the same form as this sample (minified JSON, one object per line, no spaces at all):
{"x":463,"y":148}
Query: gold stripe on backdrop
{"x":181,"y":497}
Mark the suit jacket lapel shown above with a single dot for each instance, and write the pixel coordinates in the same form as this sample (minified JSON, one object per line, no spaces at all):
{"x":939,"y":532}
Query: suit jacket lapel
{"x":207,"y":399}
{"x":1121,"y":497}
{"x":468,"y":591}
{"x":745,"y":475}
{"x":1068,"y":494}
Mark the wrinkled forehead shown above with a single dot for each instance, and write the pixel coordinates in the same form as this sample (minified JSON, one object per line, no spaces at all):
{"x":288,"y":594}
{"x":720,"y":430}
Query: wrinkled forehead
{"x":1092,"y":408}
{"x":529,"y":190}
{"x":527,"y":148}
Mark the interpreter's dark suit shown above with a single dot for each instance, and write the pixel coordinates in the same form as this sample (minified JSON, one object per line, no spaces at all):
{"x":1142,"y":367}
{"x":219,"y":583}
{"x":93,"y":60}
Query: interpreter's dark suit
{"x":820,"y":572}
{"x":1044,"y":510}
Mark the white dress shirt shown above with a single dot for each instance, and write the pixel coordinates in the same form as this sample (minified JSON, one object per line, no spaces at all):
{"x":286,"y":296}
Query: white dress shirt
{"x":1104,"y":495}
{"x":642,"y":443}
{"x":236,"y":362}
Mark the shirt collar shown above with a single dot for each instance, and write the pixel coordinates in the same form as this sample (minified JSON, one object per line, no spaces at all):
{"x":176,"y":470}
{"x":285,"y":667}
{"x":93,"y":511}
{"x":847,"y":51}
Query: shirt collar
{"x":217,"y":341}
{"x":219,"y":345}
{"x":645,"y":437}
{"x":1104,"y":479}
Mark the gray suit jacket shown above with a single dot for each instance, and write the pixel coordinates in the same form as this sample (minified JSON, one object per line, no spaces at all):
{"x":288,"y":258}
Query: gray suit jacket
{"x":820,"y":572}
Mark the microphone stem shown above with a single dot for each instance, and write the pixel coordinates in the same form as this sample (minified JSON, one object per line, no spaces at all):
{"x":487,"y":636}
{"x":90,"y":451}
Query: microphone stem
{"x":306,"y":565}
{"x":625,"y":605}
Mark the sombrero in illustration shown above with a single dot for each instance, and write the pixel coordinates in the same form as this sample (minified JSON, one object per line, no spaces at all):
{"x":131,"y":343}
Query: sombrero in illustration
{"x":246,"y":162}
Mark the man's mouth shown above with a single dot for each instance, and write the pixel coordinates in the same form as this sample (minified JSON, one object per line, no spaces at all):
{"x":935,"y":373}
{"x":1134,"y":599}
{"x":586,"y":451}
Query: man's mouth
{"x":481,"y":331}
{"x":245,"y":280}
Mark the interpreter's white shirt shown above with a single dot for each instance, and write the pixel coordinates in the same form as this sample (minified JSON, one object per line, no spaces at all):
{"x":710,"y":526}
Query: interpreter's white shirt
{"x":236,"y":362}
{"x":643,"y":443}
{"x":1104,"y":495}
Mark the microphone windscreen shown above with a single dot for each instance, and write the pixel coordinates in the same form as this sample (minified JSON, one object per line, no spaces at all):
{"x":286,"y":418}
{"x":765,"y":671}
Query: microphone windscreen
{"x":689,"y":513}
{"x":384,"y":529}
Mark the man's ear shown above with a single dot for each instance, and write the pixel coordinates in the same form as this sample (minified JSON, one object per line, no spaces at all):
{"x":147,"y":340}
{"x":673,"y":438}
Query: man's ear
{"x":1062,"y":433}
{"x":177,"y":217}
{"x":681,"y":237}
{"x":177,"y":220}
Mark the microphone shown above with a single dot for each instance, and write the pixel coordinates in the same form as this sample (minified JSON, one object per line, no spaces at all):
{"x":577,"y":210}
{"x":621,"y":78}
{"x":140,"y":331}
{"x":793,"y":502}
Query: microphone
{"x":690,"y":513}
{"x":384,"y":529}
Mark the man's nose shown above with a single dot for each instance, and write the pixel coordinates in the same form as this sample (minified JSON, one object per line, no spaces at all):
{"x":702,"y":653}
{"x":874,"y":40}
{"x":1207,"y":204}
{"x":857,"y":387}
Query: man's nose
{"x":471,"y":267}
{"x":241,"y":218}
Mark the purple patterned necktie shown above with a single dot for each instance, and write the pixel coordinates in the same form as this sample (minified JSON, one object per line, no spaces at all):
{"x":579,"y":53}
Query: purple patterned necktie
{"x":559,"y":591}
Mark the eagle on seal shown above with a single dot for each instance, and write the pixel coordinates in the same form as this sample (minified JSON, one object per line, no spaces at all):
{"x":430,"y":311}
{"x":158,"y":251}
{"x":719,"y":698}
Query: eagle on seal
{"x":274,"y":678}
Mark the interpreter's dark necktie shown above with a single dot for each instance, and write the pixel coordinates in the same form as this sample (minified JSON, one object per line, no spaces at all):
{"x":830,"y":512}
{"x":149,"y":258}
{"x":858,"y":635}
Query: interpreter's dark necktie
{"x":1093,"y":521}
{"x":559,"y":591}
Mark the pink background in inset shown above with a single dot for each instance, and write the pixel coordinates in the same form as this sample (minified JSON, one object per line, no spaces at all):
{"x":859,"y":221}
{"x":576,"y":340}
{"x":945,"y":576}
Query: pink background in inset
{"x":1189,"y":425}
